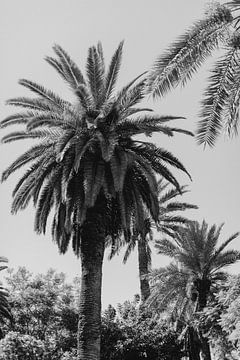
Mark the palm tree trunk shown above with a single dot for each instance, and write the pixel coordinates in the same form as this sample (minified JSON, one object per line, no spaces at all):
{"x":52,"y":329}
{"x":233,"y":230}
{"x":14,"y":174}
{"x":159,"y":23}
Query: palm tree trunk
{"x":203,"y":290}
{"x":143,"y":269}
{"x":193,"y":345}
{"x":92,"y":252}
{"x":205,"y":348}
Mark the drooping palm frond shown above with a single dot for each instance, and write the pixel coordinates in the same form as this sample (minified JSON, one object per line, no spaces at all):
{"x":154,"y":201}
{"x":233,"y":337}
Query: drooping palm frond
{"x":188,"y":53}
{"x":220,"y":100}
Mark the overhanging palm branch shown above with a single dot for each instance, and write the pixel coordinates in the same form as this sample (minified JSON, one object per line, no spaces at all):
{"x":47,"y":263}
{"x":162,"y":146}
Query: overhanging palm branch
{"x":187,"y":54}
{"x":220,"y":104}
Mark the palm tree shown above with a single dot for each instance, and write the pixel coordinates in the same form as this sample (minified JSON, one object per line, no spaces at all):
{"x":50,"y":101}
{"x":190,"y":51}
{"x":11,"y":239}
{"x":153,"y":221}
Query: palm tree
{"x":5,"y":312}
{"x":168,"y":223}
{"x":220,"y":105}
{"x":199,"y":268}
{"x":172,"y":292}
{"x":89,"y":168}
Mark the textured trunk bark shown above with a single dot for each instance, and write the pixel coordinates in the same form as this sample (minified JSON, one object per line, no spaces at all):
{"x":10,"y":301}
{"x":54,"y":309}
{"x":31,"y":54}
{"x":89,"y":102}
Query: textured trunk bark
{"x":143,"y":270}
{"x":92,"y":252}
{"x":205,"y":349}
{"x":203,"y":290}
{"x":193,"y":345}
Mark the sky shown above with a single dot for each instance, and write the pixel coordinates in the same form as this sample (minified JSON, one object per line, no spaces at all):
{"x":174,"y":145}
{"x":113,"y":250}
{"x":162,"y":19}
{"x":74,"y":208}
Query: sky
{"x":28,"y":30}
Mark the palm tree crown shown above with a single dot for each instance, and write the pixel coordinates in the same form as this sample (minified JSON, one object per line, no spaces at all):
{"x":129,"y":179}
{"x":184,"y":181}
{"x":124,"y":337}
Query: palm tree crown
{"x":89,"y":168}
{"x":187,"y":283}
{"x":86,"y":148}
{"x":195,"y":251}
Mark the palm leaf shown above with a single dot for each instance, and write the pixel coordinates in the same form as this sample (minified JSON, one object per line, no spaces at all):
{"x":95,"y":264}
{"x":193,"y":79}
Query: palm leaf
{"x":95,"y":75}
{"x":216,"y":97}
{"x":46,"y":94}
{"x":71,"y":71}
{"x":188,"y":53}
{"x":113,"y":71}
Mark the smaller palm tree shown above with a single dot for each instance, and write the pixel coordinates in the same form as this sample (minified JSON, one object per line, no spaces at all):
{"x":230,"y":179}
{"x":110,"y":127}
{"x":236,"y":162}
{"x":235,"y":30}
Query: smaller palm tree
{"x":4,"y":305}
{"x":172,"y":292}
{"x":168,"y":223}
{"x":197,"y":269}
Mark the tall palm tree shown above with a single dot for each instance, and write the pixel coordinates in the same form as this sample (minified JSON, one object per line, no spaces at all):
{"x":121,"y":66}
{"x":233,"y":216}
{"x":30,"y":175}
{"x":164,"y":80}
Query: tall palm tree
{"x":220,"y":105}
{"x":89,"y":168}
{"x":199,"y":268}
{"x":5,"y":312}
{"x":168,"y":224}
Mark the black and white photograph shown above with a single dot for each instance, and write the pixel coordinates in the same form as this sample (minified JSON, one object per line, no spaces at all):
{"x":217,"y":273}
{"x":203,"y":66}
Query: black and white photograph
{"x":119,"y":180}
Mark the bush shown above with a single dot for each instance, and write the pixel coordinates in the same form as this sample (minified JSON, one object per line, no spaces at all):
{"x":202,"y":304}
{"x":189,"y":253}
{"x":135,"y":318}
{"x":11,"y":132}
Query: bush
{"x":16,"y":346}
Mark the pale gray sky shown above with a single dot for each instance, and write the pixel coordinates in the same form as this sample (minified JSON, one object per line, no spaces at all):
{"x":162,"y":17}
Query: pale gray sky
{"x":28,"y":29}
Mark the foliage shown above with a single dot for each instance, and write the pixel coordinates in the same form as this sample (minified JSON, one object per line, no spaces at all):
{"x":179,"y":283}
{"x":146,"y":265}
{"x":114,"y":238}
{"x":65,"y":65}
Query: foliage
{"x":198,"y":258}
{"x":5,"y":312}
{"x":135,"y":334}
{"x":220,"y":105}
{"x":44,"y":308}
{"x":227,"y":316}
{"x":45,"y":316}
{"x":87,"y":150}
{"x":187,"y":285}
{"x":16,"y":346}
{"x":169,"y":222}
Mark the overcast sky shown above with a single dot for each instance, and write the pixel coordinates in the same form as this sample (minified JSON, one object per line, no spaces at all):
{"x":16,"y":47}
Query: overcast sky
{"x":28,"y":30}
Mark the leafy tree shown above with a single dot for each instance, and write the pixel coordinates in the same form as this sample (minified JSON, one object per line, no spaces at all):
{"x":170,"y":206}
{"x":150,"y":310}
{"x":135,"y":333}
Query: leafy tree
{"x":21,"y":347}
{"x":5,"y":313}
{"x":223,"y":319}
{"x":168,"y":223}
{"x":89,"y":168}
{"x":132,"y":332}
{"x":198,"y":268}
{"x":44,"y":308}
{"x":220,"y":105}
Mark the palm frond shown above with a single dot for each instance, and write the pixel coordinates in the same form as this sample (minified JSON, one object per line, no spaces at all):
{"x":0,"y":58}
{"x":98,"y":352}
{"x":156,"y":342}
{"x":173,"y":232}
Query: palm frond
{"x":95,"y":75}
{"x":84,"y":97}
{"x":31,"y":154}
{"x":166,"y":247}
{"x":37,"y":104}
{"x":216,"y":97}
{"x":224,"y":244}
{"x":188,"y":53}
{"x":130,"y":247}
{"x":113,"y":71}
{"x":225,"y":259}
{"x":69,"y":69}
{"x":46,"y":94}
{"x":56,"y":65}
{"x":16,"y":119}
